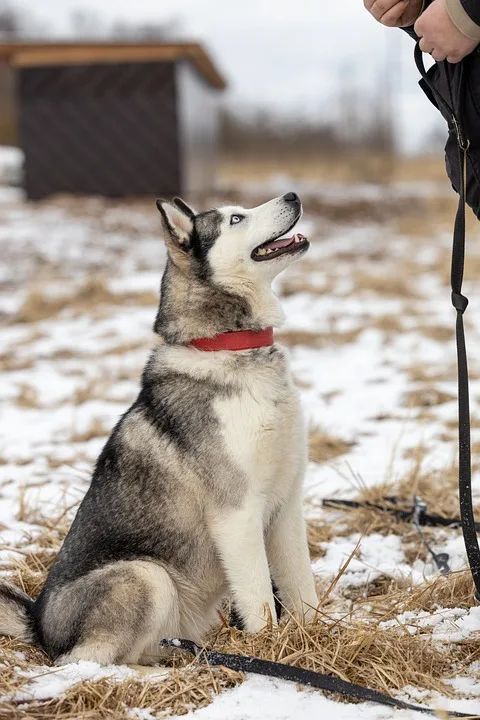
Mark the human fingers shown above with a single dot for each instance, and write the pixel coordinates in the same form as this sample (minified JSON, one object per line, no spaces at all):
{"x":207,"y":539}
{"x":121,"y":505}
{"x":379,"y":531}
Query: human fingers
{"x":392,"y":17}
{"x":438,"y":54}
{"x":380,"y":7}
{"x":426,"y":45}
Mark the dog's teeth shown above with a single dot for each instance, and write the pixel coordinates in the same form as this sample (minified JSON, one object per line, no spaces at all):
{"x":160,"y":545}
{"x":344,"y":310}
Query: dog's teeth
{"x":261,"y":251}
{"x":269,"y":250}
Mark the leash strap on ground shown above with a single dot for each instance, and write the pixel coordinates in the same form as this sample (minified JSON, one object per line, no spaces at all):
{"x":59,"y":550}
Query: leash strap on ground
{"x":401,"y":512}
{"x":460,"y":303}
{"x":416,"y":514}
{"x":328,"y":683}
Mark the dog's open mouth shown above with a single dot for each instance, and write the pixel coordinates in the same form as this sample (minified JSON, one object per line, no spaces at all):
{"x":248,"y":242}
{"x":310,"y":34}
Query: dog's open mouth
{"x":281,"y":246}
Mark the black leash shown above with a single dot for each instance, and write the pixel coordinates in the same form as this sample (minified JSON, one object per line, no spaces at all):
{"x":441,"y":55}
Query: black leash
{"x":460,"y":303}
{"x":416,"y":514}
{"x":328,"y":683}
{"x":401,"y":512}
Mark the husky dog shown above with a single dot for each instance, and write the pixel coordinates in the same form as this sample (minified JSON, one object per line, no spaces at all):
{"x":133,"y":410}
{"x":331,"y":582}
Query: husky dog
{"x":197,"y":494}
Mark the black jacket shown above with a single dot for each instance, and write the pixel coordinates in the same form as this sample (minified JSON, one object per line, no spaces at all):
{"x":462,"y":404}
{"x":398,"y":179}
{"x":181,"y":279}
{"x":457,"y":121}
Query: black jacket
{"x":445,"y":78}
{"x":472,"y":8}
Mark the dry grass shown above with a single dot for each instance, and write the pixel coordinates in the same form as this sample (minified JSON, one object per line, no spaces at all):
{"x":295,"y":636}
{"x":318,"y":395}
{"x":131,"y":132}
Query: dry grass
{"x":364,"y":653}
{"x":437,"y":488}
{"x":128,"y":346}
{"x":96,"y":428}
{"x":356,"y":649}
{"x":445,"y":591}
{"x":436,"y":213}
{"x":385,"y":284}
{"x":359,"y":652}
{"x":89,"y":297}
{"x":323,"y":446}
{"x":309,"y":338}
{"x":318,"y":533}
{"x":389,"y":324}
{"x":38,"y":306}
{"x":300,"y":283}
{"x":185,"y":688}
{"x":421,"y":373}
{"x":350,"y":168}
{"x":440,"y":333}
{"x":27,"y":397}
{"x":425,"y":397}
{"x":10,"y":362}
{"x":93,"y":389}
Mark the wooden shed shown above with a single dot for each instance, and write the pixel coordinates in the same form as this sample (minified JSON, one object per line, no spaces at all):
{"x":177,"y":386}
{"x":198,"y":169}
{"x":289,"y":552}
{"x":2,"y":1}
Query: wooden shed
{"x":116,"y":119}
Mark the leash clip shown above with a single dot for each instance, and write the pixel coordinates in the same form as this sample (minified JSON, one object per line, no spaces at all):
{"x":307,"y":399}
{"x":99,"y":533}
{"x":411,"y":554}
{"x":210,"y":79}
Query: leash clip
{"x":463,"y":142}
{"x":440,"y":559}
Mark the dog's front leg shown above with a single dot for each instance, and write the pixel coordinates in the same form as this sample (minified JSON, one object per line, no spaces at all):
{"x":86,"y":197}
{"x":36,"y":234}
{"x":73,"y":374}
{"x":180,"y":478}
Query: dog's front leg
{"x":239,"y":538}
{"x":289,"y":559}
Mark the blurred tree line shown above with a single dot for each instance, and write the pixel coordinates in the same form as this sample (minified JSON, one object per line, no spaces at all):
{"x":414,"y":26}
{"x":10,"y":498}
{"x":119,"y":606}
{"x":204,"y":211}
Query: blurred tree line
{"x":16,"y":24}
{"x":264,"y":135}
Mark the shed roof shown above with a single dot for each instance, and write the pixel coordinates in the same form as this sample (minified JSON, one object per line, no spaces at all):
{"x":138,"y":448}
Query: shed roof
{"x":31,"y":54}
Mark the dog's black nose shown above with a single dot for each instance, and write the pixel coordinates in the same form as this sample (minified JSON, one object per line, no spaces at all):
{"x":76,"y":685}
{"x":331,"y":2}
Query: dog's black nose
{"x":291,"y":197}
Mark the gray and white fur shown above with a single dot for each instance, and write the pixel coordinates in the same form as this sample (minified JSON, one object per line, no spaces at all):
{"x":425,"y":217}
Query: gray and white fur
{"x":197,"y":494}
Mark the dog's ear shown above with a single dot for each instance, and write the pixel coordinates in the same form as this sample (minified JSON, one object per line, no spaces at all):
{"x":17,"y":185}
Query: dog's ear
{"x":178,"y":226}
{"x":186,"y":209}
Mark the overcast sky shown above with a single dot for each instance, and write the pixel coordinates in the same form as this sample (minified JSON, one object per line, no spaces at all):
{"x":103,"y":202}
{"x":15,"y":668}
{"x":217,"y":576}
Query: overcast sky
{"x":287,"y":55}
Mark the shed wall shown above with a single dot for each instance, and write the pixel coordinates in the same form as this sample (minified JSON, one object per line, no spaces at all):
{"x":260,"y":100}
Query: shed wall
{"x":106,"y":129}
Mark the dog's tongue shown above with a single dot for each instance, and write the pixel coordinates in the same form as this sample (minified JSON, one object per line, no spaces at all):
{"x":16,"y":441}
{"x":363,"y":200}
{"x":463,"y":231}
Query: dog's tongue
{"x":282,"y":242}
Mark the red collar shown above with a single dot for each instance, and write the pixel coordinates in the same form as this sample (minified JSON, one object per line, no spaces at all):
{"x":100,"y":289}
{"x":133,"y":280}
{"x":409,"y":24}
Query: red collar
{"x":238,"y":340}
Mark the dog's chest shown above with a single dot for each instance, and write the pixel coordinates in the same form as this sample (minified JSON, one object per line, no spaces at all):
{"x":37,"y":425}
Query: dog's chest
{"x":262,"y":429}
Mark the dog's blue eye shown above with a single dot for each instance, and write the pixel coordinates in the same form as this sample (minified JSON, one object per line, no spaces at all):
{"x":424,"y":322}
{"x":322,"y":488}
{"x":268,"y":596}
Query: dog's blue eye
{"x":235,"y":219}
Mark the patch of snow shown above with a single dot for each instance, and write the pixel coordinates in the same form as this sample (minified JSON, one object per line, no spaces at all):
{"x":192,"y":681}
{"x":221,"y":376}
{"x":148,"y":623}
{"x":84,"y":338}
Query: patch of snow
{"x":260,"y":698}
{"x":46,"y":682}
{"x":142,"y":713}
{"x":377,"y":555}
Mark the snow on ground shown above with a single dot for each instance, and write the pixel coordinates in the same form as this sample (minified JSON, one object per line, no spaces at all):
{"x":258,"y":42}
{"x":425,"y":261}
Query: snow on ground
{"x":261,"y":698}
{"x":44,"y":683}
{"x":369,"y":328}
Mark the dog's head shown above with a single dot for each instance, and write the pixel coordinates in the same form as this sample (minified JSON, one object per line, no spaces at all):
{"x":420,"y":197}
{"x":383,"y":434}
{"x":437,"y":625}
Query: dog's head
{"x":231,"y":246}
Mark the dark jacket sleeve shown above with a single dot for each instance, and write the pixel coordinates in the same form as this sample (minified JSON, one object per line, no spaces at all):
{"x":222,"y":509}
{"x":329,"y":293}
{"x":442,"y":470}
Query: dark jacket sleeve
{"x":472,"y":8}
{"x":446,"y":80}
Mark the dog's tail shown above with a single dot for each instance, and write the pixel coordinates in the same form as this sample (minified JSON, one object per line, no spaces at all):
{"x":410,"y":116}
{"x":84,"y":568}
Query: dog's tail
{"x":16,"y":613}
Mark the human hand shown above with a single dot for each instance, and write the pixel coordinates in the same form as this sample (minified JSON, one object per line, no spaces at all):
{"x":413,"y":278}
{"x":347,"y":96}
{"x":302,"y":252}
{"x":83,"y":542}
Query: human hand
{"x":394,"y":13}
{"x":439,"y":35}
